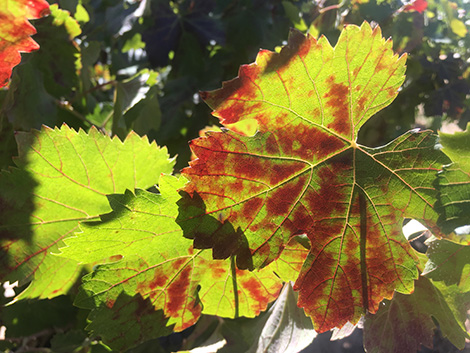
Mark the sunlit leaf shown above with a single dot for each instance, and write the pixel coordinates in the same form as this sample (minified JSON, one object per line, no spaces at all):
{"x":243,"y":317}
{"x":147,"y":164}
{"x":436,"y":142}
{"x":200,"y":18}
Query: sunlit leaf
{"x":304,"y":173}
{"x":283,"y":328}
{"x":454,"y":181}
{"x":448,"y":262}
{"x":63,"y":177}
{"x":16,"y":31}
{"x":159,"y":270}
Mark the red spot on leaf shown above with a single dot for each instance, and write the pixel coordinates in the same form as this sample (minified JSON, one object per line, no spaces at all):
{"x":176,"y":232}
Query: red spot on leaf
{"x":159,"y":281}
{"x":392,"y":92}
{"x":310,"y":143}
{"x":361,"y":103}
{"x":250,"y":208}
{"x":380,"y":66}
{"x":237,"y":98}
{"x":255,"y":290}
{"x":177,"y":293}
{"x":329,"y":196}
{"x":338,"y":104}
{"x":272,"y":146}
{"x":218,"y":272}
{"x":282,"y":199}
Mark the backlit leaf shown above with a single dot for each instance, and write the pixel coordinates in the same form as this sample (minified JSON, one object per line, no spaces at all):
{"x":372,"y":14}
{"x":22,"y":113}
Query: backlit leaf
{"x":283,"y":328}
{"x":159,"y":270}
{"x":304,"y":173}
{"x":405,"y":323}
{"x":63,"y":177}
{"x":448,"y":262}
{"x":454,"y":181}
{"x":16,"y":31}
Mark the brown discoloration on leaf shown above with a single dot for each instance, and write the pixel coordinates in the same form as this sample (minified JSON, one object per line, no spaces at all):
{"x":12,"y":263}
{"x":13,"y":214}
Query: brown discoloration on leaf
{"x":177,"y":292}
{"x":303,"y":173}
{"x":337,"y":99}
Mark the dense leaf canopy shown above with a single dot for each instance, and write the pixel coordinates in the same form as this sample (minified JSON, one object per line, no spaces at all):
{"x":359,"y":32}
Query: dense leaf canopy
{"x":281,"y":219}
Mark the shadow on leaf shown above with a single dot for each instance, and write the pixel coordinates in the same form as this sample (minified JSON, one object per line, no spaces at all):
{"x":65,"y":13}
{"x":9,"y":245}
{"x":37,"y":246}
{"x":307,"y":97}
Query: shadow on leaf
{"x":211,"y":232}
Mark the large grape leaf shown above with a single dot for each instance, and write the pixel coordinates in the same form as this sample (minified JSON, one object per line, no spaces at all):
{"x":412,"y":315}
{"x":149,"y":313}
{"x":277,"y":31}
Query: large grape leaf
{"x":63,"y":177}
{"x":159,"y":272}
{"x":454,"y":181}
{"x":304,"y":173}
{"x":406,"y":322}
{"x":15,"y":32}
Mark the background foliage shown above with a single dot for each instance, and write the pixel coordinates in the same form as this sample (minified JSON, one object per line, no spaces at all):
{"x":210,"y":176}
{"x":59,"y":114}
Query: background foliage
{"x":139,"y":65}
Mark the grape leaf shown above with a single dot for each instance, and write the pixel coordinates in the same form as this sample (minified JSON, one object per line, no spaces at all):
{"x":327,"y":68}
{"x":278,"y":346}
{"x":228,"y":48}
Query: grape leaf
{"x":448,"y":262}
{"x":304,"y":173}
{"x":15,"y":32}
{"x":283,"y":328}
{"x":405,"y":323}
{"x":159,"y":270}
{"x":62,"y":178}
{"x":454,"y":181}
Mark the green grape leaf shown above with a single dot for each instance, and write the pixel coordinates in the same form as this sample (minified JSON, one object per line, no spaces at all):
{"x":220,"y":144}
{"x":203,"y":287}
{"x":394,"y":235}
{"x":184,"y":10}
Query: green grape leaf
{"x":405,"y":323}
{"x":16,"y":32}
{"x":448,"y":262}
{"x":63,"y":177}
{"x":454,"y":181}
{"x":303,"y":173}
{"x":159,"y":271}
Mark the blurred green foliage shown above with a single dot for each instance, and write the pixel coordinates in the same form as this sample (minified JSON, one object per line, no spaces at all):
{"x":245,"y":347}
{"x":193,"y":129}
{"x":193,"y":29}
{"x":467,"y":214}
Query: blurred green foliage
{"x":123,"y":65}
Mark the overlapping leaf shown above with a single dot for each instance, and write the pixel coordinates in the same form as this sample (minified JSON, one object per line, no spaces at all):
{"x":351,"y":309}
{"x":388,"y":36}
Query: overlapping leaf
{"x":448,"y":262}
{"x":405,"y":323}
{"x":63,"y":178}
{"x":15,"y":32}
{"x":283,"y":328}
{"x":159,"y":270}
{"x":454,"y":181}
{"x":304,"y":173}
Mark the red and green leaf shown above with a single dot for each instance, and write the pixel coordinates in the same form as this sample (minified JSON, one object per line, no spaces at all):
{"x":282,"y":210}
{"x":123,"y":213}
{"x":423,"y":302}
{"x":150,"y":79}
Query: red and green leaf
{"x":159,"y":270}
{"x":16,"y":32}
{"x":303,"y":172}
{"x":63,"y":177}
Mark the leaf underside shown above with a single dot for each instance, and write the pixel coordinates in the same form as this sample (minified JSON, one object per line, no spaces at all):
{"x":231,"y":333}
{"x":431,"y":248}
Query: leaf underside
{"x":303,"y":173}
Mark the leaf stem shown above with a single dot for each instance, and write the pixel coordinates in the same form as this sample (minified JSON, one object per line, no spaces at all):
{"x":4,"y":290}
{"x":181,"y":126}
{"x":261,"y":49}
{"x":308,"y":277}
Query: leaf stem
{"x":68,"y":107}
{"x":94,"y":88}
{"x":233,"y":267}
{"x":362,"y":247}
